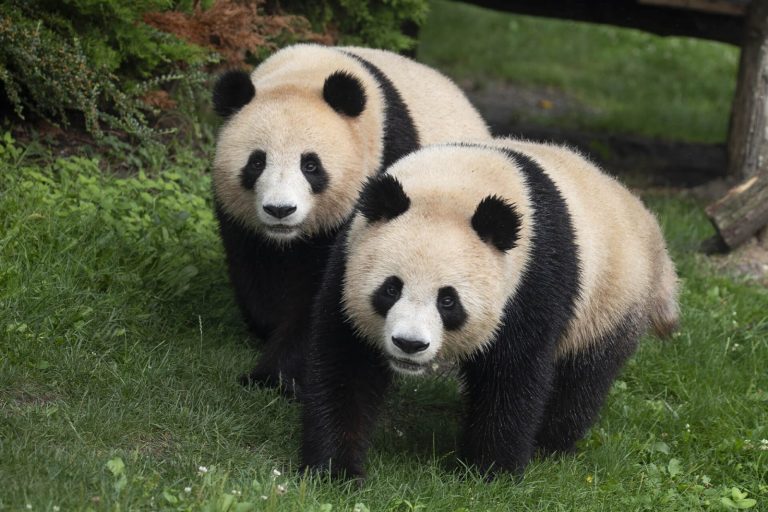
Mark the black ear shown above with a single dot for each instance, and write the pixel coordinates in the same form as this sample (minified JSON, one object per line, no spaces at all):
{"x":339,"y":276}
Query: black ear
{"x":233,"y":90}
{"x":497,"y":222}
{"x":382,"y":197}
{"x":344,"y":93}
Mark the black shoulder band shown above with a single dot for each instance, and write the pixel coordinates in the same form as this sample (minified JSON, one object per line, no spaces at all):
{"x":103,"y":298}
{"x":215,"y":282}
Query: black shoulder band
{"x":400,"y":135}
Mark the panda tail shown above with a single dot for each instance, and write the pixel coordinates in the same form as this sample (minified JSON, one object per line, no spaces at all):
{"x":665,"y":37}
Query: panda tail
{"x":665,"y":312}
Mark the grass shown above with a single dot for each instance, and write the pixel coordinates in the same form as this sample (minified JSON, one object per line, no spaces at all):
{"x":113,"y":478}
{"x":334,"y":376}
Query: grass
{"x":120,"y":346}
{"x":621,"y":80}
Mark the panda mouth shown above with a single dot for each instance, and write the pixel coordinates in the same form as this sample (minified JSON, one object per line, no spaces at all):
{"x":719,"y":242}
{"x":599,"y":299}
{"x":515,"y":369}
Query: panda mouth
{"x":281,"y":229}
{"x":407,"y":366}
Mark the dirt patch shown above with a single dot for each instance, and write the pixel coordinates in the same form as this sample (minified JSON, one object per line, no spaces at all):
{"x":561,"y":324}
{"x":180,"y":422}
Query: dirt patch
{"x":504,"y":104}
{"x":27,"y":396}
{"x":749,"y":261}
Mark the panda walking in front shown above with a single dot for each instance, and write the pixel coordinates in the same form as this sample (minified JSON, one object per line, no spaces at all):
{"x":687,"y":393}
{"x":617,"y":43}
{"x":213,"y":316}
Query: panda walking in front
{"x":523,"y":262}
{"x":303,"y":132}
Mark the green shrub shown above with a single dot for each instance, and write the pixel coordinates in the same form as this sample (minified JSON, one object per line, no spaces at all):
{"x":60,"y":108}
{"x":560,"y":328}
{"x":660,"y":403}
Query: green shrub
{"x":376,"y":23}
{"x":111,"y":33}
{"x":62,"y":74}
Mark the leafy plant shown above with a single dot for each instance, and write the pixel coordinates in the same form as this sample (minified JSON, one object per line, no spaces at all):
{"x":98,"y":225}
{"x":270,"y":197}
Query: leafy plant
{"x":91,"y":75}
{"x":378,"y":23}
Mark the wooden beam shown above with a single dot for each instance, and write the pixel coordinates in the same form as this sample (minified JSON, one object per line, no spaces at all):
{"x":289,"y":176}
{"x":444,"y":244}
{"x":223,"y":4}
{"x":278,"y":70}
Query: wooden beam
{"x":729,"y":7}
{"x":742,"y":212}
{"x":631,"y":14}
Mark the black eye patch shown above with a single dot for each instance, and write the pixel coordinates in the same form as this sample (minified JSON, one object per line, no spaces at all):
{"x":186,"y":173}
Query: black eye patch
{"x":450,"y":308}
{"x":314,"y":173}
{"x":253,"y":169}
{"x":387,"y":295}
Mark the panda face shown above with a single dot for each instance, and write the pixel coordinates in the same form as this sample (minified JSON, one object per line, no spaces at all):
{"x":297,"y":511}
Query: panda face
{"x":418,"y":296}
{"x":414,"y":326}
{"x":288,"y":165}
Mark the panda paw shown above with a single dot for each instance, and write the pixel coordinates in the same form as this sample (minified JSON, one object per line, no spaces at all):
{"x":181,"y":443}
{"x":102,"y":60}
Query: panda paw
{"x":355,"y":477}
{"x":288,"y":387}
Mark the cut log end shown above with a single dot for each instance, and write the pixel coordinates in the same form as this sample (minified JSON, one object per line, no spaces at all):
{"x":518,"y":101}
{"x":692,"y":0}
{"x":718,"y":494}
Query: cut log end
{"x":741,"y":213}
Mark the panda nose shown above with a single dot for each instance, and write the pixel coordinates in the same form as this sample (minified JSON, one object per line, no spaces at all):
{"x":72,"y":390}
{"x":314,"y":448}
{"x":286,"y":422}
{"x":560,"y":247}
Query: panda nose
{"x":279,"y":212}
{"x":409,"y":346}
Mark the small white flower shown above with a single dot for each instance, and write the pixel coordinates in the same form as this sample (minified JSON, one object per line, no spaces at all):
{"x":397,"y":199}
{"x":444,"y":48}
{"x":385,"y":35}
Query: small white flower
{"x":263,"y":497}
{"x":281,"y":489}
{"x":276,"y":473}
{"x":202,"y":469}
{"x":29,"y":506}
{"x":56,"y":508}
{"x":435,"y":367}
{"x":399,"y":432}
{"x":764,"y":444}
{"x":187,"y":489}
{"x":235,"y":492}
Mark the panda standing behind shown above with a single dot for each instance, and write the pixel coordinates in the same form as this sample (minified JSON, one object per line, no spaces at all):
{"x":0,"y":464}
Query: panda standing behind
{"x":523,"y":262}
{"x":302,"y":134}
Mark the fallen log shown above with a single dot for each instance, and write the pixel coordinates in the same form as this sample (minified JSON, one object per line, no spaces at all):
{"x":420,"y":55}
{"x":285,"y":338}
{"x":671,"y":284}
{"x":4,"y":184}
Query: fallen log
{"x":741,"y":213}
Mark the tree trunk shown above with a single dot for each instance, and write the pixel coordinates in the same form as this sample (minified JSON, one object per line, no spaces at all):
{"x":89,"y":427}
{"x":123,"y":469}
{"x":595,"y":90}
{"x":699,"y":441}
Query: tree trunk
{"x":748,"y":133}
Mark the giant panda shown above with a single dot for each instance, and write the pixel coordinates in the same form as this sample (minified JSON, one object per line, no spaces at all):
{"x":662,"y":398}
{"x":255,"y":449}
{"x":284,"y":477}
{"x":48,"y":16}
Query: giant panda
{"x":522,"y":262}
{"x":302,"y":132}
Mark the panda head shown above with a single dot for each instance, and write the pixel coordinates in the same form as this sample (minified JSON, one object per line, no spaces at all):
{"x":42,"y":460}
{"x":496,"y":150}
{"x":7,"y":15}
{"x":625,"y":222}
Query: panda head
{"x":287,"y":154}
{"x":428,"y":276}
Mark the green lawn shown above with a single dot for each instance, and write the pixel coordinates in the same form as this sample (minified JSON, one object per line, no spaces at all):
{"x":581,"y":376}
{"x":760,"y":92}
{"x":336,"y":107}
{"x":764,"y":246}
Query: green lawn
{"x":120,"y":346}
{"x":622,"y":80}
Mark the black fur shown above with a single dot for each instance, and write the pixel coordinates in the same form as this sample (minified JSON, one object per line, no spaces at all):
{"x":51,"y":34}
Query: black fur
{"x":454,"y":316}
{"x":253,"y":169}
{"x":497,"y":222}
{"x":400,"y":134}
{"x":387,"y":295}
{"x":382,"y":197}
{"x":273,"y":289}
{"x":344,"y":93}
{"x":233,"y":90}
{"x":518,"y":397}
{"x":314,"y":172}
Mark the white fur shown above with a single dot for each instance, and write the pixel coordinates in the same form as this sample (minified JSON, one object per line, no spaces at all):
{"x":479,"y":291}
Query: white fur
{"x":413,"y":317}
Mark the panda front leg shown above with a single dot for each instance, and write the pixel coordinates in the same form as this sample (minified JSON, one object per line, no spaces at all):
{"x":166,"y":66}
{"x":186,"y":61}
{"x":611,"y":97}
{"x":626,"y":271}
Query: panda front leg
{"x":281,"y":360}
{"x":344,"y":387}
{"x":507,"y":391}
